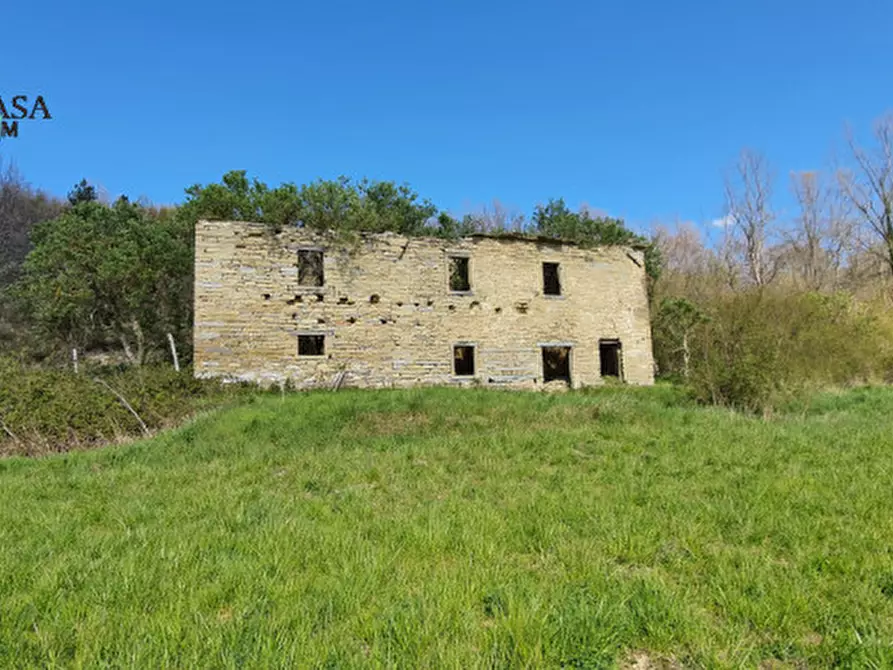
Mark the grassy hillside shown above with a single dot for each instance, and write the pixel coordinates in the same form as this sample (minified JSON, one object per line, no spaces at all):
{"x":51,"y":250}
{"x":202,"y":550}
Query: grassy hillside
{"x":461,"y":529}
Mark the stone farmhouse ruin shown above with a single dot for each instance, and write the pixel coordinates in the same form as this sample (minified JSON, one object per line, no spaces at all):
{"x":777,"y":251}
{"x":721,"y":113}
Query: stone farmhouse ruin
{"x":385,"y":310}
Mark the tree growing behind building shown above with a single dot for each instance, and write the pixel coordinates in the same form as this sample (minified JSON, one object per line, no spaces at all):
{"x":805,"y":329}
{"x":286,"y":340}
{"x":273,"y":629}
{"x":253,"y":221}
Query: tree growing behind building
{"x":555,"y":219}
{"x":341,"y":205}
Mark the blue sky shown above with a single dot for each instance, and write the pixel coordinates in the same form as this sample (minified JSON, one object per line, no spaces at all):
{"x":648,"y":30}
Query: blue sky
{"x":635,"y":108}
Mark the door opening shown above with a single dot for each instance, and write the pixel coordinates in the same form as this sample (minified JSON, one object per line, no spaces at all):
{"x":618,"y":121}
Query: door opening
{"x":557,"y":364}
{"x":610,"y":355}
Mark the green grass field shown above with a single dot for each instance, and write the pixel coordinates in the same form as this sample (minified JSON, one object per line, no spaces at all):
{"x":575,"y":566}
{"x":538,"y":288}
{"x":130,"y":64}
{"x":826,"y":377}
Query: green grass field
{"x":461,"y":529}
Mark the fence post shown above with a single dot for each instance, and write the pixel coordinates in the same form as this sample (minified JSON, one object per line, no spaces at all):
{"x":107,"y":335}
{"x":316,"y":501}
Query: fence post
{"x":170,"y":338}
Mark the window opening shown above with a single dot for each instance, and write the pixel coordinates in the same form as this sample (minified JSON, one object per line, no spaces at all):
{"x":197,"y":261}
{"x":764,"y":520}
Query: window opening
{"x":551,"y":280}
{"x":310,"y":270}
{"x":311,"y":345}
{"x":459,"y":279}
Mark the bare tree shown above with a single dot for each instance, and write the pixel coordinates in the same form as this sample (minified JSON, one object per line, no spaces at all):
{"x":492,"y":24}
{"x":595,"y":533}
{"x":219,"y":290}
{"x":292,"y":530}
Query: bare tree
{"x":685,"y":259}
{"x":869,"y":188}
{"x":822,"y":234}
{"x":749,"y":204}
{"x":496,"y":217}
{"x":20,"y":208}
{"x":681,"y":248}
{"x":727,"y":259}
{"x":14,"y":227}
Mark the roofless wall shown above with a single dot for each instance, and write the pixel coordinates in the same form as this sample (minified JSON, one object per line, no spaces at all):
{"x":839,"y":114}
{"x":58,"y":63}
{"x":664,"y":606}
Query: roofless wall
{"x":387,"y":310}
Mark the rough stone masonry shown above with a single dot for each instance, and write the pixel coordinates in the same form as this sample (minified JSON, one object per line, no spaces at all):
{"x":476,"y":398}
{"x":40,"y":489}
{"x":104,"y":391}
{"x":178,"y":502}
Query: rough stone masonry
{"x":385,"y":310}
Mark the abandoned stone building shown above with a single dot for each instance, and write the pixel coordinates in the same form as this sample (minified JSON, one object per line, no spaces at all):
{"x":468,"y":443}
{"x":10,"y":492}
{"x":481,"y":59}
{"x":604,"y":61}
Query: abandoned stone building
{"x":385,"y":310}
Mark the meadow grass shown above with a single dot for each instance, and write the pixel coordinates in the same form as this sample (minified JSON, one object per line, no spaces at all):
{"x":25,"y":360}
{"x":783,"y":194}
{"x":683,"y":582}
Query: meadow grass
{"x":444,"y":528}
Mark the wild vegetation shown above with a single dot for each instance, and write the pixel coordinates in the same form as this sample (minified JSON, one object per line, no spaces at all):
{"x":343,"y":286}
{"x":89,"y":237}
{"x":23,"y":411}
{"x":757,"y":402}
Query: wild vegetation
{"x":44,"y":409}
{"x":461,"y":528}
{"x":447,"y":528}
{"x":761,"y":304}
{"x":764,"y":306}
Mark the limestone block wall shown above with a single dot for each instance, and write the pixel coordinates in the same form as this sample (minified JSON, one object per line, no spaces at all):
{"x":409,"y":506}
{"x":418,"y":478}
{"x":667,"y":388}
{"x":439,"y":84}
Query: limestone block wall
{"x":389,"y":318}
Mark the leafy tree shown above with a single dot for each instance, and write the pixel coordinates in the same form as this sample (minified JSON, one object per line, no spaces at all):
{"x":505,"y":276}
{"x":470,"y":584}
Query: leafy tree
{"x":450,"y":227}
{"x":340,"y":205}
{"x":234,"y":198}
{"x":346,"y":206}
{"x":674,"y":323}
{"x":82,"y":192}
{"x":555,"y":219}
{"x":99,"y":274}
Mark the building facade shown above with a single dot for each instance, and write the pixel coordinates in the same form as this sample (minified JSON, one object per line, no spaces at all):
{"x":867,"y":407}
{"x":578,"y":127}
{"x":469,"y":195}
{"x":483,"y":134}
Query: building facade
{"x":385,"y":310}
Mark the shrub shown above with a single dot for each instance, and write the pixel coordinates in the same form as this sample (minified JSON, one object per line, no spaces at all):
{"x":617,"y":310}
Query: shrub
{"x":50,"y":409}
{"x":759,"y":348}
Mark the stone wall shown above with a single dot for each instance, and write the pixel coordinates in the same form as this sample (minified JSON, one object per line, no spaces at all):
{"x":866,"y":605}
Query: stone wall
{"x":389,"y":318}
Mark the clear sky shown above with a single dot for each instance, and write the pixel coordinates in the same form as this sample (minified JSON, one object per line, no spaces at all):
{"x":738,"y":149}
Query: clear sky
{"x":635,"y":108}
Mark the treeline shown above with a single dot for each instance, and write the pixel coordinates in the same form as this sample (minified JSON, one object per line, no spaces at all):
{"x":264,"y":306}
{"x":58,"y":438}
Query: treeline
{"x":763,"y":304}
{"x":748,"y":311}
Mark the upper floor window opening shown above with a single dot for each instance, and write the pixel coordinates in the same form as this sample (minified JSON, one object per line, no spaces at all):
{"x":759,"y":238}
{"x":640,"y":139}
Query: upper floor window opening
{"x":551,"y":279}
{"x":460,"y":279}
{"x":310,"y":267}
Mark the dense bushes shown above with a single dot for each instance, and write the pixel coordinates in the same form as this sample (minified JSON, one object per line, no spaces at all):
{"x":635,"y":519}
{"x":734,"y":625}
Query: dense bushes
{"x":754,"y":349}
{"x":44,"y":409}
{"x":101,"y":275}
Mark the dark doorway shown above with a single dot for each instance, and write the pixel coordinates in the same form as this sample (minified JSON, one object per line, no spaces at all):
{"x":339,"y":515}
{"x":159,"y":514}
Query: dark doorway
{"x":551,"y":279}
{"x":557,"y":364}
{"x":609,"y":353}
{"x":463,"y":361}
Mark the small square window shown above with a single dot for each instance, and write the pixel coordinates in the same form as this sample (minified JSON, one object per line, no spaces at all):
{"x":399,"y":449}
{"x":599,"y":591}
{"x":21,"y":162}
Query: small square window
{"x":459,"y":278}
{"x":463,"y":361}
{"x":551,"y":279}
{"x":311,"y":345}
{"x":310,"y":270}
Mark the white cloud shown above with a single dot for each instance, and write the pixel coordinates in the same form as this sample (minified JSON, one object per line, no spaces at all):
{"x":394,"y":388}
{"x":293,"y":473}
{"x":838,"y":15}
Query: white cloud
{"x":723,"y":222}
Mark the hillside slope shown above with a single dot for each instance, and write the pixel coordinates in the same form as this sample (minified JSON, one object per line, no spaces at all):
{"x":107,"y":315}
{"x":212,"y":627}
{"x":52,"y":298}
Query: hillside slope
{"x":448,"y":528}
